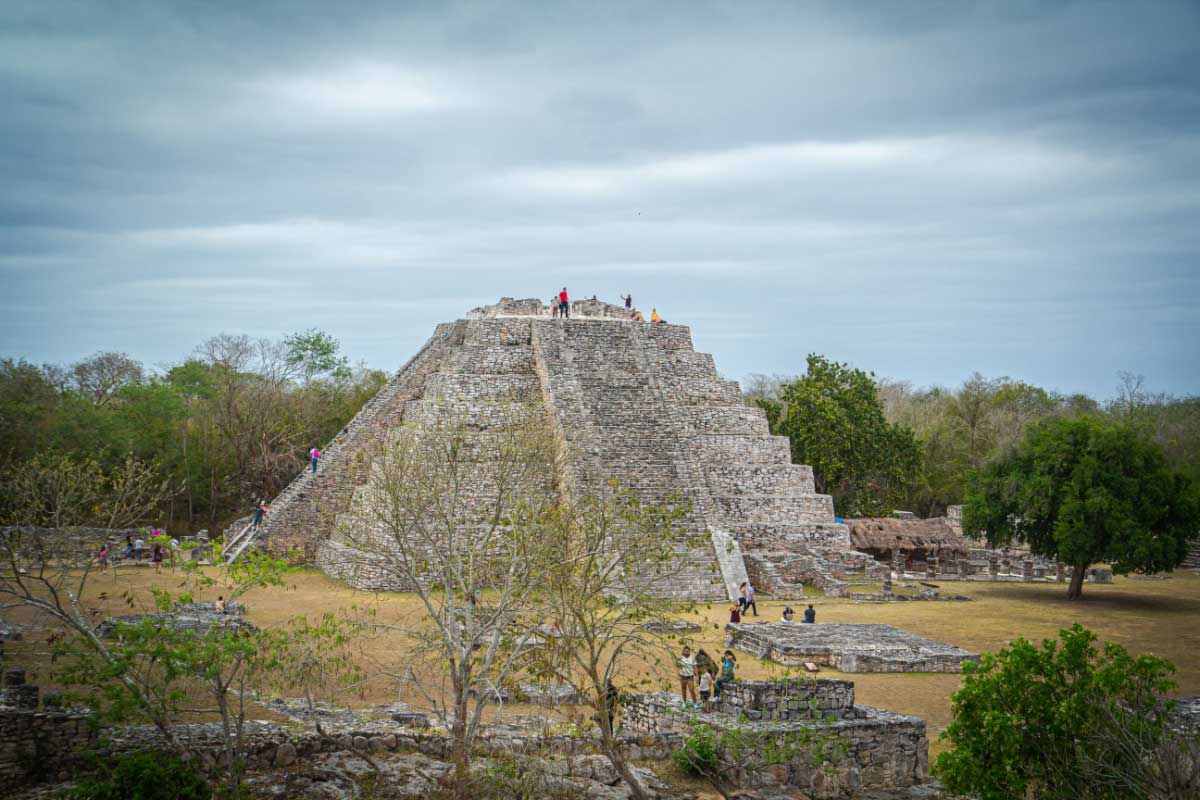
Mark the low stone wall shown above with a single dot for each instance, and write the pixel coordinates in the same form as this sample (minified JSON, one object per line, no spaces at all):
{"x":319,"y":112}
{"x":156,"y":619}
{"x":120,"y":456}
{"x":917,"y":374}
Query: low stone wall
{"x":782,"y":701}
{"x":864,"y":747}
{"x":41,"y":745}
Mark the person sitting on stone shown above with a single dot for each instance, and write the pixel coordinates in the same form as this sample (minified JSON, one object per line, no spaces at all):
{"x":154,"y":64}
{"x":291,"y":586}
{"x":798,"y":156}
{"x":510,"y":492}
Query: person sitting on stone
{"x":810,"y":614}
{"x":728,"y":662}
{"x":654,"y":317}
{"x":219,"y":606}
{"x":789,"y":616}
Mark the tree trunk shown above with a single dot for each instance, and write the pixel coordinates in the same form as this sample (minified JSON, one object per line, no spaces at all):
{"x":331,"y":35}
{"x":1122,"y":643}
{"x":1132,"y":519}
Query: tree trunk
{"x":458,"y":734}
{"x":1075,"y":590}
{"x":612,"y":749}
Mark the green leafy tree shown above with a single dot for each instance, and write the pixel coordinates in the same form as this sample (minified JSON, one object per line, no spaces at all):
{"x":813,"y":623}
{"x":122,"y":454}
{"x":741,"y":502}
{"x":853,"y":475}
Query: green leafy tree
{"x":1028,"y":722}
{"x":1083,"y":491}
{"x":834,"y":418}
{"x":316,"y":353}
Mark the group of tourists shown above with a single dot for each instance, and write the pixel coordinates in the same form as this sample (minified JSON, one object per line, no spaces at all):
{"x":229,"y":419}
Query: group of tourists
{"x":702,"y":670}
{"x":789,"y":615}
{"x":560,"y":306}
{"x":135,"y":550}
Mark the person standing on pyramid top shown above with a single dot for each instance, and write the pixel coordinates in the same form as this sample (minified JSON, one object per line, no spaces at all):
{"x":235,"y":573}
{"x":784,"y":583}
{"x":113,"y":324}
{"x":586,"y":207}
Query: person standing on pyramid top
{"x":628,"y":298}
{"x":564,"y":304}
{"x":554,"y":307}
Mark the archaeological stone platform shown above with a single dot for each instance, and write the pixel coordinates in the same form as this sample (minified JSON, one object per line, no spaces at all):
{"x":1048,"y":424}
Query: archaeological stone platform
{"x":847,"y":647}
{"x":632,"y":401}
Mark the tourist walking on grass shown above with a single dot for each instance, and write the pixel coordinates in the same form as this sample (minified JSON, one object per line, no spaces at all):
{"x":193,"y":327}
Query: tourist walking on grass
{"x":102,"y":558}
{"x":735,"y":613}
{"x":139,"y":546}
{"x":746,"y":598}
{"x":315,"y":455}
{"x":564,"y":304}
{"x":157,"y":557}
{"x":687,"y":675}
{"x":728,"y":662}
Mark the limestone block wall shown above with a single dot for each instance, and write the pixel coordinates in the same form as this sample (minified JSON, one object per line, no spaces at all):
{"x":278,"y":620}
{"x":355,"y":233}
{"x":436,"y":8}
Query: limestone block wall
{"x":304,"y":513}
{"x":787,"y":700}
{"x":41,"y":745}
{"x":878,"y":749}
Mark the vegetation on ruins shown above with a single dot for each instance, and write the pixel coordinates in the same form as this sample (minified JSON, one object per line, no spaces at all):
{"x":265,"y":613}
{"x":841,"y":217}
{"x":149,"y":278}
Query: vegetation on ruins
{"x":226,"y":425}
{"x":472,"y":564}
{"x":601,"y":599}
{"x":720,"y":755}
{"x":142,"y":775}
{"x":1067,"y":720}
{"x":1086,"y":490}
{"x":835,"y":420}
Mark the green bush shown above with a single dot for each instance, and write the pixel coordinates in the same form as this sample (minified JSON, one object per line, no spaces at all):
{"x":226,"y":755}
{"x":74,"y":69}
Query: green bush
{"x":142,"y":775}
{"x":698,"y":753}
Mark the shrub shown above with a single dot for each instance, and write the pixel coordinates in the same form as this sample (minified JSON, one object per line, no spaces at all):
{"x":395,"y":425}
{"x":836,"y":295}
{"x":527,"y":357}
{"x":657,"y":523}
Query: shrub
{"x":143,"y":775}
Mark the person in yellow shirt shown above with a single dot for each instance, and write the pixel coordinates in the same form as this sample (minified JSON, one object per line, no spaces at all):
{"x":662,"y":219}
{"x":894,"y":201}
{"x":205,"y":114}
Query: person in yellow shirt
{"x":654,"y":317}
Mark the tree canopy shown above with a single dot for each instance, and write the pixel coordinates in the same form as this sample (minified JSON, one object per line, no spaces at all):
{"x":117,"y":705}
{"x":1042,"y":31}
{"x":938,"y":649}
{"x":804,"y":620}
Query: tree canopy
{"x":835,"y":420}
{"x":1086,"y":490}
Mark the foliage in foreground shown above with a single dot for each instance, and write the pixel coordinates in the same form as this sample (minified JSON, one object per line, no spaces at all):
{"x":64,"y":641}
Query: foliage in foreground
{"x":1036,"y":722}
{"x":142,"y":775}
{"x":1085,"y":491}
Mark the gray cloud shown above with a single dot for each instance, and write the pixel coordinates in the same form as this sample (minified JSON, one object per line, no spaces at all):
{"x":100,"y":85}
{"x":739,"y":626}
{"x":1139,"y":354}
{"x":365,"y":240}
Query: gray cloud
{"x":922,"y":189}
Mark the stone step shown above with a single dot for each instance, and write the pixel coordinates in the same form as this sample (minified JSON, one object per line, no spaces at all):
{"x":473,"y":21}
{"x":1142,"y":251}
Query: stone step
{"x":725,"y":420}
{"x":790,"y":509}
{"x":491,"y":360}
{"x":789,"y":538}
{"x":480,"y":415}
{"x":501,"y":331}
{"x":463,"y":387}
{"x":741,"y":449}
{"x":754,"y":479}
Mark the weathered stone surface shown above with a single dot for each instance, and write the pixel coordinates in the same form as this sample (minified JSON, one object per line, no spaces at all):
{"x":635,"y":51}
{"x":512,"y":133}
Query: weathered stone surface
{"x":847,"y":647}
{"x":879,"y":749}
{"x":634,"y":402}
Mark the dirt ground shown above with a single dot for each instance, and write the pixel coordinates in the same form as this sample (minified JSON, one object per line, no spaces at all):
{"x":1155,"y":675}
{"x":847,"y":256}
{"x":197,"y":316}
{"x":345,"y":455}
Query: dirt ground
{"x":1147,"y":615}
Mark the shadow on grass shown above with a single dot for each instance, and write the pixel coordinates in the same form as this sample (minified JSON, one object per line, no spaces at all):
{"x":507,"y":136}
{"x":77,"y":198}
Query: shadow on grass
{"x":1095,"y":598}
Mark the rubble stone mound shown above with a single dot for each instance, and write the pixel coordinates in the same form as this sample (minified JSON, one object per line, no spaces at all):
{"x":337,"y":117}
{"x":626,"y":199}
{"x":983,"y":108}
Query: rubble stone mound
{"x":847,"y":647}
{"x":631,"y":401}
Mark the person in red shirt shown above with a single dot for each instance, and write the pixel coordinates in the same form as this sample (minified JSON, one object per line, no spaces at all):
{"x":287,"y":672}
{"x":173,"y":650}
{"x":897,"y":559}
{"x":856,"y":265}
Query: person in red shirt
{"x":564,"y":305}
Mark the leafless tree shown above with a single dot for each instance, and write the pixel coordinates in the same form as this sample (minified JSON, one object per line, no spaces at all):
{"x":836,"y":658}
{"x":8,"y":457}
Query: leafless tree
{"x":457,"y":516}
{"x":603,"y":595}
{"x":101,"y":376}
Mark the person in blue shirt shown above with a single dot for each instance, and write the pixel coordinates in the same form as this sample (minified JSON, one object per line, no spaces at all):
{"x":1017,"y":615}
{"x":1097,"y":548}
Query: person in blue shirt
{"x":810,"y":614}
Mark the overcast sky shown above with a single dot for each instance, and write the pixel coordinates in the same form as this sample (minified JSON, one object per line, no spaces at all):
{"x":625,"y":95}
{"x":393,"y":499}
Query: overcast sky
{"x":921,"y":189}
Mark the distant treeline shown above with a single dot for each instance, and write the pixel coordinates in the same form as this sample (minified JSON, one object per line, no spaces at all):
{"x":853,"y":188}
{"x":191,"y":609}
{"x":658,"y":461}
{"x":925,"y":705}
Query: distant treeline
{"x":232,"y":422}
{"x":879,"y":444}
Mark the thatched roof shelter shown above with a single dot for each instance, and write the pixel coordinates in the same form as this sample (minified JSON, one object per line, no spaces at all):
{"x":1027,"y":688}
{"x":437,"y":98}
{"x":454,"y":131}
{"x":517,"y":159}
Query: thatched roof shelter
{"x":882,"y":535}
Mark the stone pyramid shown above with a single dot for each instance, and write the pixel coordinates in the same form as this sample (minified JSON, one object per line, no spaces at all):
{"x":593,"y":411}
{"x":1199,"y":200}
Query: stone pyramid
{"x":636,"y":403}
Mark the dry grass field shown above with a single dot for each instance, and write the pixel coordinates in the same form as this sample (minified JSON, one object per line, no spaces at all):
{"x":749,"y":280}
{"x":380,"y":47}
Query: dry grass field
{"x":1159,"y":616}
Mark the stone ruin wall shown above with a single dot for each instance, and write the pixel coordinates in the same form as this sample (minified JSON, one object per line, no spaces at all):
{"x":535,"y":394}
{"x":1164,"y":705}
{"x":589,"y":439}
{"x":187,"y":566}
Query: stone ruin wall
{"x":630,"y":401}
{"x":883,"y":750}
